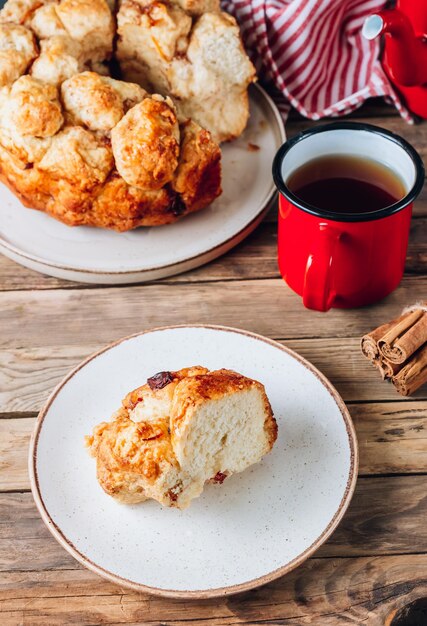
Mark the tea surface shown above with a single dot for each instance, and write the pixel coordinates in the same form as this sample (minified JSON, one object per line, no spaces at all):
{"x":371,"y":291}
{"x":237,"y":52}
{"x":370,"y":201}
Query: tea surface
{"x":346,"y":184}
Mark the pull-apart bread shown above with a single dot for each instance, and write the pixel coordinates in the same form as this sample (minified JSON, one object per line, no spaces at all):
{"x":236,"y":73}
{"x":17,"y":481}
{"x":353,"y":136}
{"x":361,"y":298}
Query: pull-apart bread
{"x":192,"y":51}
{"x":179,"y":431}
{"x":92,"y":150}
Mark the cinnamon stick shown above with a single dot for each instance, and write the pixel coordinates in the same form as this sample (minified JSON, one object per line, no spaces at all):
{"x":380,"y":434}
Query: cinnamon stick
{"x":413,"y":374}
{"x":387,"y":369}
{"x":369,"y":343}
{"x":399,"y":349}
{"x":404,"y":338}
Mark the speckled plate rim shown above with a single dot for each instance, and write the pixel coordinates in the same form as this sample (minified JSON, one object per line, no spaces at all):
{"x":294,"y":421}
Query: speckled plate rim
{"x":202,"y":593}
{"x":69,"y":272}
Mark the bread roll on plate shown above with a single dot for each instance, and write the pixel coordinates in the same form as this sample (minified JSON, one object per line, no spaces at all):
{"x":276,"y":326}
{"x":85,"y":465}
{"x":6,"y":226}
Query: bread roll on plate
{"x":180,"y":430}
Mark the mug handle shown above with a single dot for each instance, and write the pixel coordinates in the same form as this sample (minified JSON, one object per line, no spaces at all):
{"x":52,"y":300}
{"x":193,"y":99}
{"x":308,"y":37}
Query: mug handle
{"x":317,"y":292}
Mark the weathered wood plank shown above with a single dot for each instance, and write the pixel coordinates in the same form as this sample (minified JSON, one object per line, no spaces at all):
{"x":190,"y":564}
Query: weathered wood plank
{"x":387,"y":516}
{"x":14,"y":440}
{"x":392,"y":439}
{"x":330,"y":592}
{"x":384,"y":517}
{"x":27,"y":376}
{"x":326,"y":592}
{"x":416,"y":259}
{"x":269,"y":307}
{"x":252,"y":259}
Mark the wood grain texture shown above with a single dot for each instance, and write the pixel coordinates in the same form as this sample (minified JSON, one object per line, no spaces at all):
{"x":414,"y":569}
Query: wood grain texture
{"x":14,"y":439}
{"x":416,"y":259}
{"x":267,"y":306}
{"x":387,"y":516}
{"x":27,"y":376}
{"x":392,"y":439}
{"x":322,"y":592}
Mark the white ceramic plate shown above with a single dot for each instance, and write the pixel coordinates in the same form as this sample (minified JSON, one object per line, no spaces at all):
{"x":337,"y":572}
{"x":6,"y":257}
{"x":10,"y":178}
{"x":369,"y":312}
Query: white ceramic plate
{"x":255,"y":527}
{"x":94,"y":255}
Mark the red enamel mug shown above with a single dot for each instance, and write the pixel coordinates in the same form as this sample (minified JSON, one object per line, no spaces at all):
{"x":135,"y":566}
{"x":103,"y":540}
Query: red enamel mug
{"x":344,"y":260}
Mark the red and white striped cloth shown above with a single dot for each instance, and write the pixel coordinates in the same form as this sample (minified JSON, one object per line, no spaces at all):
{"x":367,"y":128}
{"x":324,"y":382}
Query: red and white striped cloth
{"x":314,"y":53}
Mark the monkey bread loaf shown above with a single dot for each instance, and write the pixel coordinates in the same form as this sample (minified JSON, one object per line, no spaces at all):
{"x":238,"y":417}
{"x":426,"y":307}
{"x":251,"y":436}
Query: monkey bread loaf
{"x":89,"y":149}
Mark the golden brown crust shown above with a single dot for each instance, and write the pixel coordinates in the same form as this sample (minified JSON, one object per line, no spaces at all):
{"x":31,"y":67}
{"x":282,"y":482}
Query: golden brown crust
{"x":17,"y":49}
{"x":75,"y":180}
{"x":83,"y":147}
{"x":137,"y":395}
{"x":130,"y":456}
{"x":146,"y":144}
{"x":197,"y":389}
{"x":198,"y":175}
{"x":193,"y":52}
{"x":211,"y":386}
{"x":270,"y":425}
{"x":136,"y":452}
{"x":112,"y":204}
{"x":91,"y":102}
{"x":198,"y":7}
{"x":31,"y":108}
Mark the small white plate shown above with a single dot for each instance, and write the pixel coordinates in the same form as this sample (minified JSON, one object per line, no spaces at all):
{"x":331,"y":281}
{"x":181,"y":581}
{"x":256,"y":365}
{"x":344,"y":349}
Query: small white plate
{"x":255,"y":527}
{"x":94,"y":255}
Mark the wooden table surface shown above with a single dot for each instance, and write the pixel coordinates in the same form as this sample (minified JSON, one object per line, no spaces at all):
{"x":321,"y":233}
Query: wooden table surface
{"x":376,"y":561}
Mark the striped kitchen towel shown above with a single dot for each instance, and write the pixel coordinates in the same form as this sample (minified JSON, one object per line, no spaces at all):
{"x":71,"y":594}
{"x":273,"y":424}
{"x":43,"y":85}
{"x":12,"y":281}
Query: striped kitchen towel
{"x":314,"y":54}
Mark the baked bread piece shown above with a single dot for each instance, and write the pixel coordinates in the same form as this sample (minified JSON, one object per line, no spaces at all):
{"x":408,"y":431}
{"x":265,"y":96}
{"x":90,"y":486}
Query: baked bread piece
{"x":179,"y":431}
{"x":18,"y":49}
{"x":81,"y":146}
{"x":74,"y":175}
{"x":73,"y":35}
{"x":191,"y":51}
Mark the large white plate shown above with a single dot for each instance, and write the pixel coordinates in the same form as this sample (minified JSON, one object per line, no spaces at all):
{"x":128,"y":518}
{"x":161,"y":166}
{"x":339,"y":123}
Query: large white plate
{"x":94,"y":255}
{"x":255,"y":527}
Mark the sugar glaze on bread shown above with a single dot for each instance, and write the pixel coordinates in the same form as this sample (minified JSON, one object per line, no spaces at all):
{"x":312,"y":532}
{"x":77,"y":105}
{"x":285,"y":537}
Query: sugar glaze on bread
{"x":179,"y":431}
